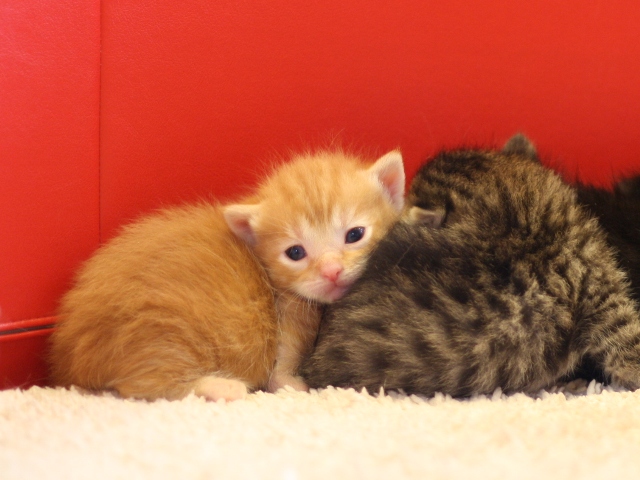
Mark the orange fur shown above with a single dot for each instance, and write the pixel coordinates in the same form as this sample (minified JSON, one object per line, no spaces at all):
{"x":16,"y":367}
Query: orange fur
{"x":174,"y":298}
{"x":203,"y":298}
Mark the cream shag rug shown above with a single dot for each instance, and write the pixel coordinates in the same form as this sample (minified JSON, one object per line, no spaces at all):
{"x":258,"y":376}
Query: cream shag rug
{"x":329,"y":434}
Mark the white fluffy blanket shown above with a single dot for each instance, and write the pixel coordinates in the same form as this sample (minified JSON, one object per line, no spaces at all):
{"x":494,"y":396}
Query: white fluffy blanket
{"x":329,"y":434}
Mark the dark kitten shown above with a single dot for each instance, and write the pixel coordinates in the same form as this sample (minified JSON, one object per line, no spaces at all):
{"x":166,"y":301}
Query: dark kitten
{"x":618,"y":212}
{"x":499,"y":278}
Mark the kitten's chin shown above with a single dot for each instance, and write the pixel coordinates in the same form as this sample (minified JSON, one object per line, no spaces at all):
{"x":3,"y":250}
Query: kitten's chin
{"x":332,"y":293}
{"x":323,"y":291}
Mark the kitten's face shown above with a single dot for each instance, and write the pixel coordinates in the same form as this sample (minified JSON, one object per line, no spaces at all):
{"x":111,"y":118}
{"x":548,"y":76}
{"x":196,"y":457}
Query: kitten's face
{"x":317,"y":218}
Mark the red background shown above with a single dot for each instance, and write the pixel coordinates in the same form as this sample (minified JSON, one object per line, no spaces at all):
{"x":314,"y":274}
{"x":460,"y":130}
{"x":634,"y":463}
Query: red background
{"x":110,"y":109}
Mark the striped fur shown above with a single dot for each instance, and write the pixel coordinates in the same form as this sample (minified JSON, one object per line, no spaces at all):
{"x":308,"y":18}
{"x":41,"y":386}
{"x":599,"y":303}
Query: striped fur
{"x":512,"y":288}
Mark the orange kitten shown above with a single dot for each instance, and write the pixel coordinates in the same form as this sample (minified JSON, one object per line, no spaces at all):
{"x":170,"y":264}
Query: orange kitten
{"x":221,"y":300}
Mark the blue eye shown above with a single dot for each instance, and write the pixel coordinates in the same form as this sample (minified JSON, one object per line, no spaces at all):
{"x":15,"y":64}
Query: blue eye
{"x":295,"y":253}
{"x":354,"y":235}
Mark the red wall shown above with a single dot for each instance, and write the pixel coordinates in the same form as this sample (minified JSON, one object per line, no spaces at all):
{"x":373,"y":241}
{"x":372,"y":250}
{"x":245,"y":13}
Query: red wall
{"x":195,"y":95}
{"x":49,"y":170}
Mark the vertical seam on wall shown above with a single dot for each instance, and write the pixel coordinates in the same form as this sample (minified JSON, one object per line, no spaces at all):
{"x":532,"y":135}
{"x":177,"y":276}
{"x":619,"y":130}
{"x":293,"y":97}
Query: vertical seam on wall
{"x":99,"y":122}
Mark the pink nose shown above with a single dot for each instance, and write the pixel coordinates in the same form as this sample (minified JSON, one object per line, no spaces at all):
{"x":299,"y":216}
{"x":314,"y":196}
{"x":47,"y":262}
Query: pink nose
{"x":331,"y":271}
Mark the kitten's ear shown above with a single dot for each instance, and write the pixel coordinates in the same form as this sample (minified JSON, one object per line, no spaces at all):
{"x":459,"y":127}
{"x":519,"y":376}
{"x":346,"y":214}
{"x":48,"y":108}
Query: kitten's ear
{"x":521,"y":145}
{"x":242,"y":220}
{"x":389,"y":171}
{"x":629,"y":187}
{"x":428,"y":218}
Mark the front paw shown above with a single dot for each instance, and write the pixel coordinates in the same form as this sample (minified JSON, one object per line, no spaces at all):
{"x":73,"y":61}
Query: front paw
{"x":280,"y":380}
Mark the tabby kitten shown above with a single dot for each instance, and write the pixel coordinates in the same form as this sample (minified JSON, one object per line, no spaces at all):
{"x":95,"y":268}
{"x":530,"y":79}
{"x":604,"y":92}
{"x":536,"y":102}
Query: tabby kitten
{"x":498,"y":278}
{"x":617,"y":211}
{"x":220,"y":300}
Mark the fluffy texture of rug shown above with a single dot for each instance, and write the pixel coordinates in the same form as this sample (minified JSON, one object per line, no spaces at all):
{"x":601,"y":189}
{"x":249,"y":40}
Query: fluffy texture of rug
{"x":327,"y":434}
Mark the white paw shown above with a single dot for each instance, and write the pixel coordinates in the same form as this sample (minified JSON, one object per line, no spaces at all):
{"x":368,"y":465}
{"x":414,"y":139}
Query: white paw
{"x":281,"y":380}
{"x":215,"y":388}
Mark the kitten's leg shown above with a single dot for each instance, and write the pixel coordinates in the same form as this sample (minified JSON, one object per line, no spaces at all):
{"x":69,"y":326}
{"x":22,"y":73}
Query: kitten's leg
{"x":615,"y":339}
{"x":298,"y":321}
{"x":215,"y":388}
{"x":287,"y":361}
{"x":622,"y":351}
{"x":279,"y":380}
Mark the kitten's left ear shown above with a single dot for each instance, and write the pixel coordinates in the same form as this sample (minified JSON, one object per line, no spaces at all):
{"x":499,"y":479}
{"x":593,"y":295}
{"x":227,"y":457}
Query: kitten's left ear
{"x":521,"y":145}
{"x":242,"y":220}
{"x":429,"y":218}
{"x":389,"y":171}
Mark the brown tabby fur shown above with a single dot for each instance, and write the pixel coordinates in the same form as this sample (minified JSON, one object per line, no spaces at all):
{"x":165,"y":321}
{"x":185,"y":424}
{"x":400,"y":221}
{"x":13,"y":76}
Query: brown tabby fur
{"x":499,"y":278}
{"x":203,"y":298}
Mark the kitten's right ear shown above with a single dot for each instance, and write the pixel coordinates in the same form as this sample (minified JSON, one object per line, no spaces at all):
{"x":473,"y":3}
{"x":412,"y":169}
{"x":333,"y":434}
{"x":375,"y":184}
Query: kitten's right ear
{"x":519,"y":144}
{"x":629,"y":187}
{"x":428,"y":218}
{"x":389,"y":171}
{"x":242,"y":220}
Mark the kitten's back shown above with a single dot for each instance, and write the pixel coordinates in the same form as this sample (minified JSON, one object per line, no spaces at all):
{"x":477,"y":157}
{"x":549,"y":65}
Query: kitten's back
{"x":174,"y":298}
